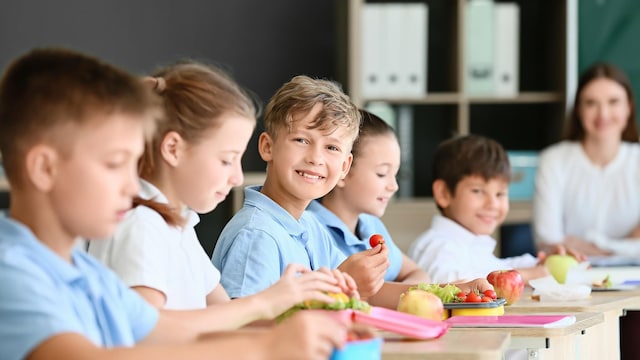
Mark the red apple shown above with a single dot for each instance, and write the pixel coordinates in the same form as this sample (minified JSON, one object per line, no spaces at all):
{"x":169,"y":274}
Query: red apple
{"x":421,"y":303}
{"x":508,"y":284}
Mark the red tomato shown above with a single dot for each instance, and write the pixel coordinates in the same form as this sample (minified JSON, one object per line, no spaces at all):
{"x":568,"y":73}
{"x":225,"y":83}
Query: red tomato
{"x":490,"y":293}
{"x":462,"y":296}
{"x":487,"y":299}
{"x":376,"y":239}
{"x":473,"y":297}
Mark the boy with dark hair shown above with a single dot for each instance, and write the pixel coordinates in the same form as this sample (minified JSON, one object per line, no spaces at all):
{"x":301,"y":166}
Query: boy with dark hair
{"x":471,"y":189}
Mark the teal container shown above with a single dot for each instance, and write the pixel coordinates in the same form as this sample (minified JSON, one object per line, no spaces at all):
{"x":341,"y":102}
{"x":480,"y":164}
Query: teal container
{"x":369,"y":349}
{"x":523,"y":174}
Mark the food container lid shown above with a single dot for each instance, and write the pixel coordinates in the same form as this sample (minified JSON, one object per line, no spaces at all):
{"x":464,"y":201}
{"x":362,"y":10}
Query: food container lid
{"x":476,"y":305}
{"x":401,"y":323}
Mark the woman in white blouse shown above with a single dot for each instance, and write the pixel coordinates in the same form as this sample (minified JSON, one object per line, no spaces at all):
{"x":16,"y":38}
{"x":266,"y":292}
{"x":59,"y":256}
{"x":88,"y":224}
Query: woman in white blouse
{"x":588,"y":186}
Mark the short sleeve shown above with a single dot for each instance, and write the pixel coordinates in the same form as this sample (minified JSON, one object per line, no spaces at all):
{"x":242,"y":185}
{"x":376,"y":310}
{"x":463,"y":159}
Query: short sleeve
{"x":141,"y":315}
{"x":251,"y":263}
{"x":140,"y":250}
{"x":32,"y":308}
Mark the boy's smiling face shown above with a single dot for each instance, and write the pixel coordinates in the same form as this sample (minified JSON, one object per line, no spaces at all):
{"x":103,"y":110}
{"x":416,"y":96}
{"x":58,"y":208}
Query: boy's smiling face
{"x":304,"y":164}
{"x":478,"y":205}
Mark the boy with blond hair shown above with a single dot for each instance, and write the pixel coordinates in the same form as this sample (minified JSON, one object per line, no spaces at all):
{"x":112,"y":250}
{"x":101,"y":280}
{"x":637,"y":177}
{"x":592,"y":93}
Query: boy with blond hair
{"x":71,"y":132}
{"x":310,"y":126}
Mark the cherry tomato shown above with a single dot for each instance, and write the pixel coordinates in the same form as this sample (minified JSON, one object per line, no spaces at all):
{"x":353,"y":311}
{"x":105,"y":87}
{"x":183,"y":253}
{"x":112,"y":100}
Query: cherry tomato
{"x":490,"y":293}
{"x":473,"y":297}
{"x":376,"y":239}
{"x":487,"y":299}
{"x":462,"y":296}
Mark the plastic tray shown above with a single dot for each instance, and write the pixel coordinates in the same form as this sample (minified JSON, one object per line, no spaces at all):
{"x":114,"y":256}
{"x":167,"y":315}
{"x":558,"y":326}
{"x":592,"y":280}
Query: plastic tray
{"x":476,"y":305}
{"x":401,"y":323}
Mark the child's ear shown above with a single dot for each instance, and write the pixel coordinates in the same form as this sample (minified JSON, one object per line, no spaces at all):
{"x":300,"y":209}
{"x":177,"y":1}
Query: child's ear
{"x":265,"y":146}
{"x":171,"y":147}
{"x":346,"y":166}
{"x":441,"y":193}
{"x":41,"y":166}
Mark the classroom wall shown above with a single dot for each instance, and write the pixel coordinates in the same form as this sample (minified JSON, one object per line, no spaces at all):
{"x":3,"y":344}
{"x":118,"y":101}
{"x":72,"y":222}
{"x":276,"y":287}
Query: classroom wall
{"x":262,"y":43}
{"x":608,"y":31}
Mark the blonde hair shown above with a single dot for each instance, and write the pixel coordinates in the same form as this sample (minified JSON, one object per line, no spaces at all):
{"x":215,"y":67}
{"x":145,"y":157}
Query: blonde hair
{"x":46,"y":89}
{"x":300,"y":94}
{"x":195,"y":96}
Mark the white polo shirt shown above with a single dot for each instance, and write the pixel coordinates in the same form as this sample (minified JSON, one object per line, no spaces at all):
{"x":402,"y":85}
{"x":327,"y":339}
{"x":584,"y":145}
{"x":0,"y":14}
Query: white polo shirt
{"x":146,"y":251}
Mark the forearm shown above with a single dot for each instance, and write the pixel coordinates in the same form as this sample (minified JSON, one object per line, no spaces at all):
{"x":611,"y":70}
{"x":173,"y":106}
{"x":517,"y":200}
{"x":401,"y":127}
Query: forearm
{"x":415,"y":277}
{"x":389,"y":295}
{"x":225,"y":316}
{"x":71,"y":346}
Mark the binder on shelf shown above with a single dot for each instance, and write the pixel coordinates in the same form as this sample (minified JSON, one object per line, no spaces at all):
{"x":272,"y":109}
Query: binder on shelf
{"x":479,"y":49}
{"x":394,"y":49}
{"x":405,"y":138}
{"x":372,"y":50}
{"x":506,"y":45}
{"x":413,"y":55}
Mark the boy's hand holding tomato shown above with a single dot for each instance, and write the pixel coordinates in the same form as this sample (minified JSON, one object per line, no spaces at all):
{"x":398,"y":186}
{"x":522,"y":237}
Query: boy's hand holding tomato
{"x":375,"y":240}
{"x":368,"y":269}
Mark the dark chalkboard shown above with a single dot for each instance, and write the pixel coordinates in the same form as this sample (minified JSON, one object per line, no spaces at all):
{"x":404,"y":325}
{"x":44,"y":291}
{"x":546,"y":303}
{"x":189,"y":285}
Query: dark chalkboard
{"x":262,"y":43}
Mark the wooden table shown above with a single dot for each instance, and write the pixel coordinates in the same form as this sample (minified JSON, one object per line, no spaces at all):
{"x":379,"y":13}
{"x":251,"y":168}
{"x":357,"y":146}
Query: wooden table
{"x":454,"y":345}
{"x":603,"y":337}
{"x":549,"y":343}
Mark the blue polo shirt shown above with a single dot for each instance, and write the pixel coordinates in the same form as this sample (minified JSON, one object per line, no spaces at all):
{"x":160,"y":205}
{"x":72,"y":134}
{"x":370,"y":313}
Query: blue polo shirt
{"x":42,"y":295}
{"x":259,"y":242}
{"x":350,"y":244}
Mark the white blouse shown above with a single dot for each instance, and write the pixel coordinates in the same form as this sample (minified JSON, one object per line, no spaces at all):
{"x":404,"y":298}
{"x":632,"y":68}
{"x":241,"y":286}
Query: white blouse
{"x":575,"y":197}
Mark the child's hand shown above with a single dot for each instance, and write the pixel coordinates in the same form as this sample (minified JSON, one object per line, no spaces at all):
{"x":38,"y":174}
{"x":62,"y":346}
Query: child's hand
{"x":531,"y":273}
{"x":368,"y":269}
{"x":306,"y":335}
{"x":479,"y":284}
{"x":345,"y":282}
{"x":296,"y":285}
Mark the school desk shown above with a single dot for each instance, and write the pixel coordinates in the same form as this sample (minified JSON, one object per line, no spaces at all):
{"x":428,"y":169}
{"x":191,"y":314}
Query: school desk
{"x":600,"y":342}
{"x":484,"y":345}
{"x":549,"y":343}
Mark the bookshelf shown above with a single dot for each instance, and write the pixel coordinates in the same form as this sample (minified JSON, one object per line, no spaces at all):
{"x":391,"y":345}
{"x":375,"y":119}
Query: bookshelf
{"x":530,"y":120}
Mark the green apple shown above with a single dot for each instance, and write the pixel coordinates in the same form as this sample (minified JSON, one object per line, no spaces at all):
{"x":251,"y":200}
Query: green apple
{"x":558,"y":266}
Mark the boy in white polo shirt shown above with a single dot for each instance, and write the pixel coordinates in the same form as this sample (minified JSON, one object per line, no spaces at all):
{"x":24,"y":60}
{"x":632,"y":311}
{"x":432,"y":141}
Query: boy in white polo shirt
{"x":471,"y":190}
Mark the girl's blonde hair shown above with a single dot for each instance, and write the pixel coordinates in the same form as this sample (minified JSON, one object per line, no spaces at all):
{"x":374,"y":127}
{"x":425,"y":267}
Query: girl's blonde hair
{"x":195,"y":96}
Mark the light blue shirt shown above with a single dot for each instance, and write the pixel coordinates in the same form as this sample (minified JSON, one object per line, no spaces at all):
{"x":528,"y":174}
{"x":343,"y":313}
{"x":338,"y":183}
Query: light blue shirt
{"x":260,"y":241}
{"x":350,"y":244}
{"x":42,"y":295}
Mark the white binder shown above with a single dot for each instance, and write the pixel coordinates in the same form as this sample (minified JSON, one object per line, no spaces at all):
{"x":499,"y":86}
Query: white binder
{"x":372,"y":50}
{"x":507,"y":50}
{"x":479,"y":52}
{"x":414,"y":40}
{"x":394,"y":49}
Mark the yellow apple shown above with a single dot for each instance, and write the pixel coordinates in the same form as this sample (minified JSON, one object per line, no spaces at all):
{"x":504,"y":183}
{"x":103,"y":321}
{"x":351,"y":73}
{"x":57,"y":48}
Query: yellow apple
{"x":421,"y":303}
{"x":558,"y":266}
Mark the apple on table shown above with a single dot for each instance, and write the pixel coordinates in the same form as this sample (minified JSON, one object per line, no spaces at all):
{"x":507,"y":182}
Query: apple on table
{"x":508,"y":284}
{"x":559,"y":265}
